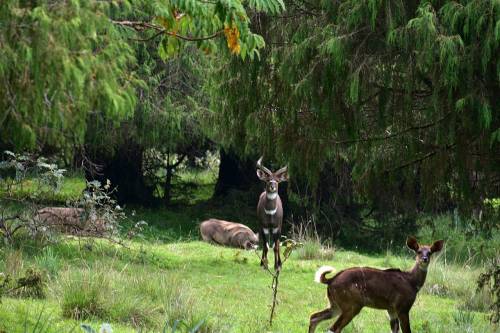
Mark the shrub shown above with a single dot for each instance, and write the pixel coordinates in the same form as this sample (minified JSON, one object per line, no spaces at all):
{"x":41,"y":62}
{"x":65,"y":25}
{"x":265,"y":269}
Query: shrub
{"x":26,"y":181}
{"x":30,"y":284}
{"x":490,"y":281}
{"x":17,"y":281}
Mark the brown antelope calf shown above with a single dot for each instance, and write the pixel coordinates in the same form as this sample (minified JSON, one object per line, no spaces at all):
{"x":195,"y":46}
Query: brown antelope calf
{"x":228,"y":233}
{"x":270,"y":212}
{"x":391,"y":289}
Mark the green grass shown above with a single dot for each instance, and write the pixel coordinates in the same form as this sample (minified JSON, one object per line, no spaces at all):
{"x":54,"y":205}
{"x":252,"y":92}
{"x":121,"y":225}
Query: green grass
{"x":147,"y":285}
{"x":169,"y":275}
{"x":191,"y":186}
{"x":199,"y":177}
{"x":71,"y":189}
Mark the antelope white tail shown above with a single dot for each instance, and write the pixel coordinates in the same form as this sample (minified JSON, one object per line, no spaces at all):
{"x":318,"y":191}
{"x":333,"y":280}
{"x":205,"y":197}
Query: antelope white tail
{"x":321,"y":271}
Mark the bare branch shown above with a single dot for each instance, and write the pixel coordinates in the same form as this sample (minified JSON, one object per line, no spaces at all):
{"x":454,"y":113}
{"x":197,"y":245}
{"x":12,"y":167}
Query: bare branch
{"x":393,"y":135}
{"x":142,"y":26}
{"x":420,"y":159}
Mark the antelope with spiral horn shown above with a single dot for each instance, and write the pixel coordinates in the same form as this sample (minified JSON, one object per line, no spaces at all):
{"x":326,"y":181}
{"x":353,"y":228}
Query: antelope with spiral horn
{"x":270,"y":212}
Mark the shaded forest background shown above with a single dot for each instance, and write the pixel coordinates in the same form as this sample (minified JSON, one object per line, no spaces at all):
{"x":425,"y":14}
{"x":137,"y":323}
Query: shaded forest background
{"x":384,"y":111}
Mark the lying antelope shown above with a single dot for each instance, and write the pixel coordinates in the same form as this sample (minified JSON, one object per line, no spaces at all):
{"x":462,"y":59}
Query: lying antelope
{"x":391,"y":289}
{"x":63,"y":218}
{"x":70,"y":220}
{"x":228,"y":233}
{"x":270,"y":212}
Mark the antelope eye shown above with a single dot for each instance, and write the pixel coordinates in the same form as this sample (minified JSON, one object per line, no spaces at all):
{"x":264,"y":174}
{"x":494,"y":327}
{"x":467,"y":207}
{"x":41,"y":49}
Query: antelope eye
{"x":419,"y":252}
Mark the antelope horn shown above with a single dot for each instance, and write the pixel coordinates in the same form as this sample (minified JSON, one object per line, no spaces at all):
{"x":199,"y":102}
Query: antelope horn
{"x":263,"y":168}
{"x":282,"y":170}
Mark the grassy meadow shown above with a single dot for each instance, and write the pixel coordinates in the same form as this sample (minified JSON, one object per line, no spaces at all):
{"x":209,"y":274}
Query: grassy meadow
{"x":168,"y":275}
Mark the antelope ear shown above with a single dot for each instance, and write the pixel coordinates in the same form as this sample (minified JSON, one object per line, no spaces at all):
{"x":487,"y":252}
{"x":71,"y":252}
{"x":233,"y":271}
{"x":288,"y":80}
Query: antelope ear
{"x":282,"y":174}
{"x":261,"y":174}
{"x":412,"y":243}
{"x":437,"y":246}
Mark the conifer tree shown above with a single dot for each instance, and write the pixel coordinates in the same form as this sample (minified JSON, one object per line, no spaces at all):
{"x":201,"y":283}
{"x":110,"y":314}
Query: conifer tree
{"x":59,"y":62}
{"x":85,"y":75}
{"x":401,"y":94}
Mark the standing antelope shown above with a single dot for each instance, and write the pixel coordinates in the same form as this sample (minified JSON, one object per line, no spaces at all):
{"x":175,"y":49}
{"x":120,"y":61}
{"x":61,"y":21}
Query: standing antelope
{"x":391,"y":289}
{"x":270,"y":212}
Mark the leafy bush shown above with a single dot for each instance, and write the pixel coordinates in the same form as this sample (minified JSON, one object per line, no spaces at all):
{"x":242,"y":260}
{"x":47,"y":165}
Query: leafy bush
{"x":30,"y":284}
{"x":25,"y":182}
{"x":102,"y":214}
{"x":490,"y":280}
{"x":15,"y":169}
{"x":16,"y":281}
{"x":487,"y":221}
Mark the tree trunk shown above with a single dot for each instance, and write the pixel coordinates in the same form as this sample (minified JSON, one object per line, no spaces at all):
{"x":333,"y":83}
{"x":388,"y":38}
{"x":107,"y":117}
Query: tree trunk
{"x":124,"y":170}
{"x":167,"y":186}
{"x":235,"y":173}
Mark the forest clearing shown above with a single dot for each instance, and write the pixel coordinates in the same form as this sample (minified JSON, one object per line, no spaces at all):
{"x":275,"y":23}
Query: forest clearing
{"x":168,"y":274}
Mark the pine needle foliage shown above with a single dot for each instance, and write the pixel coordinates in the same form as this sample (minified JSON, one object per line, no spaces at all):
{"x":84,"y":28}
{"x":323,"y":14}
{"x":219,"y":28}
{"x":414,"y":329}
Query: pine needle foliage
{"x":60,"y":61}
{"x":404,"y":92}
{"x":69,"y":70}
